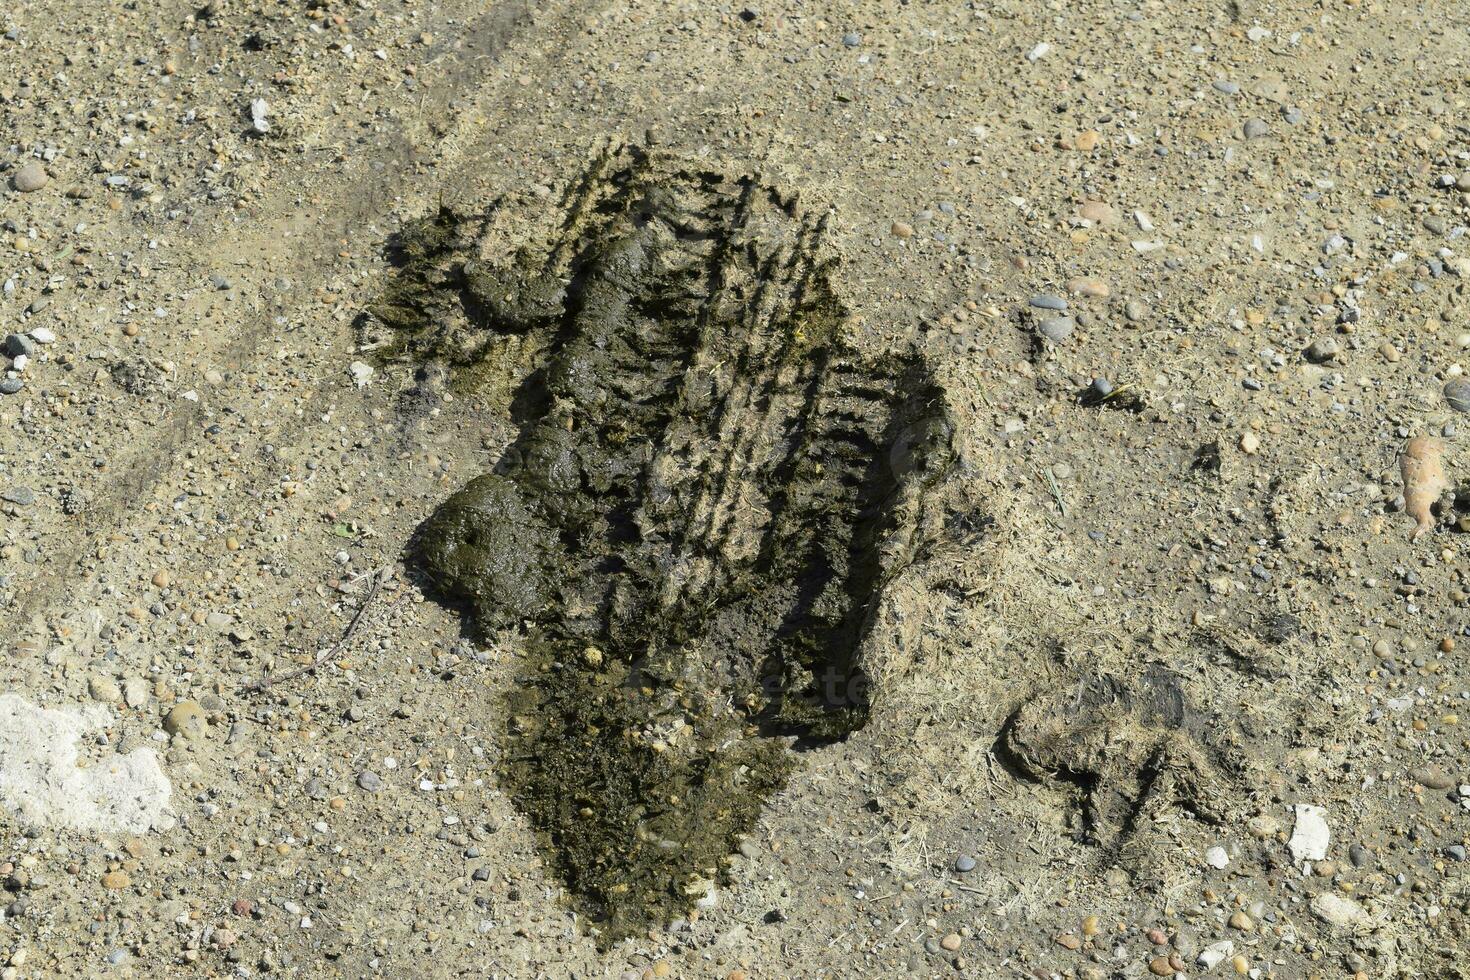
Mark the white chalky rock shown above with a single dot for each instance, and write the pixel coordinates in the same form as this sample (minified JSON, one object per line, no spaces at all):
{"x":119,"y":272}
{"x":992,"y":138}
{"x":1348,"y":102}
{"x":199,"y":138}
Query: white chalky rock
{"x":1310,"y":836}
{"x":44,"y":782}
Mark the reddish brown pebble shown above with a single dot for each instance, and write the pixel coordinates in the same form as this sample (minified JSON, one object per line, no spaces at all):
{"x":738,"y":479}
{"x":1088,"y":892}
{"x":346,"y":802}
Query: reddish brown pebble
{"x":1159,"y":966}
{"x":243,"y":907}
{"x":951,"y":942}
{"x":1158,"y":937}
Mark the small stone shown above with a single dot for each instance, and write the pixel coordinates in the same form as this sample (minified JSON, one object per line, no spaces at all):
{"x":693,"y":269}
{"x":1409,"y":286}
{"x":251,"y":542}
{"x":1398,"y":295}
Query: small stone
{"x":116,"y":880}
{"x":43,"y":335}
{"x":1250,"y":443}
{"x":1217,"y":858}
{"x":370,"y":781}
{"x":1227,"y":88}
{"x":1215,"y":954}
{"x":1135,"y":311}
{"x":1255,"y":128}
{"x":1056,"y":328}
{"x":1097,"y":212}
{"x":162,"y":578}
{"x":1456,"y":852}
{"x":1068,"y":941}
{"x":104,"y":689}
{"x":1090,"y":288}
{"x":1360,"y":856}
{"x":852,"y":40}
{"x":1433,"y":777}
{"x":1310,"y":836}
{"x":135,"y":692}
{"x":964,"y":864}
{"x":950,"y":942}
{"x":1047,"y":301}
{"x":1087,"y":141}
{"x":1341,"y":912}
{"x":1321,"y":350}
{"x":30,"y":177}
{"x":186,"y":720}
{"x":1160,"y":966}
{"x":1239,"y":920}
{"x":1457,"y":394}
{"x":1091,"y":926}
{"x":361,"y":372}
{"x":10,"y":386}
{"x":259,"y":109}
{"x":20,"y":496}
{"x":19,"y":345}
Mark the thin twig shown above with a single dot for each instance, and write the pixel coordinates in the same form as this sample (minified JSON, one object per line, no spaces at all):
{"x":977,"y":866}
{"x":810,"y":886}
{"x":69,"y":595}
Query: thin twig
{"x":270,"y":680}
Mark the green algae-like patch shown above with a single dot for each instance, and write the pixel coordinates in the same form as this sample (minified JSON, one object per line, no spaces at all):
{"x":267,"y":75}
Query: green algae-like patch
{"x":693,"y":526}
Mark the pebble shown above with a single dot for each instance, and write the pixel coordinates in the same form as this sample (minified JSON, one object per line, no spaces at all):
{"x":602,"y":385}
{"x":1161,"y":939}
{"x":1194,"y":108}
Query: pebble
{"x":20,"y":496}
{"x":43,"y":335}
{"x":902,"y":229}
{"x":104,"y":689}
{"x":1160,"y":966}
{"x":1087,"y":141}
{"x":1216,"y":857}
{"x":964,"y":864}
{"x":370,"y":781}
{"x":259,"y":109}
{"x":361,"y":372}
{"x":30,"y":177}
{"x":1091,"y":288}
{"x":1056,"y":328}
{"x":1360,"y":856}
{"x":19,"y":345}
{"x":852,"y":40}
{"x":185,"y":719}
{"x":1433,"y":777}
{"x":1457,"y":394}
{"x":1215,"y":954}
{"x":950,"y":942}
{"x":1239,"y":920}
{"x":1309,"y":836}
{"x":1135,"y":311}
{"x":1047,"y":301}
{"x":135,"y":692}
{"x":1340,"y":911}
{"x":1255,"y":128}
{"x":1250,"y":443}
{"x":116,"y":880}
{"x":1096,"y":211}
{"x":1456,"y":852}
{"x":1226,"y":88}
{"x":1321,"y":350}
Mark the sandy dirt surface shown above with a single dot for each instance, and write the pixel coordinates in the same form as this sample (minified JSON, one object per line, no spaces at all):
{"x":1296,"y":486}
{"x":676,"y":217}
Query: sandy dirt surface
{"x":1170,"y":683}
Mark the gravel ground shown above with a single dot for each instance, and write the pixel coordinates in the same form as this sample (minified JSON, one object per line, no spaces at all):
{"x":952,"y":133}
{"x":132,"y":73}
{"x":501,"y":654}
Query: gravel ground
{"x":1183,"y":695}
